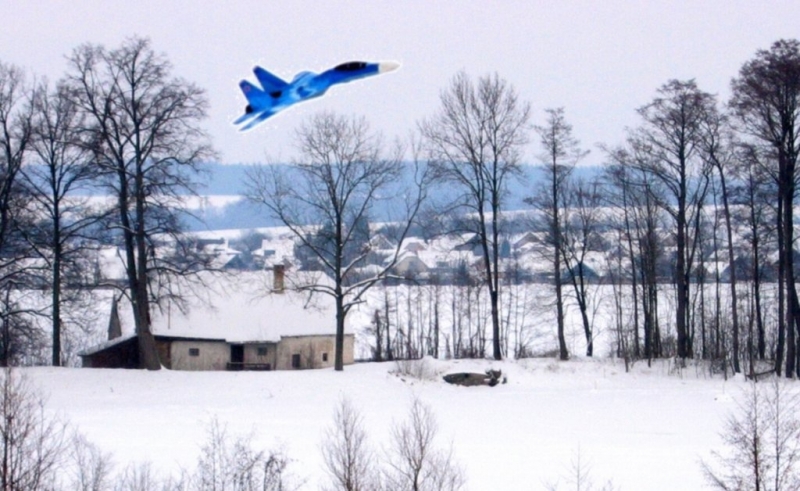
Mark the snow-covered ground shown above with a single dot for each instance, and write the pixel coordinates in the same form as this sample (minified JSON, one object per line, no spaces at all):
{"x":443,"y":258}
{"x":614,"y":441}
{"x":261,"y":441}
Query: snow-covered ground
{"x":645,"y":430}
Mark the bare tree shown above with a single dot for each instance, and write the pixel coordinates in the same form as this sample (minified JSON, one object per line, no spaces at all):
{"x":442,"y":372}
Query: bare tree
{"x":762,"y":442}
{"x":414,"y":462}
{"x":378,"y":329}
{"x":766,"y":105}
{"x":348,"y":458}
{"x":17,"y":271}
{"x":672,"y":136}
{"x":617,"y":178}
{"x":720,"y":148}
{"x":474,"y":142}
{"x":560,"y":153}
{"x":227,"y":462}
{"x":32,"y":443}
{"x":582,"y":237}
{"x":579,"y":477}
{"x":69,"y":228}
{"x":16,"y":113}
{"x":637,"y":196}
{"x":757,"y":192}
{"x":147,"y":140}
{"x":141,"y":476}
{"x":89,"y":468}
{"x":326,"y":198}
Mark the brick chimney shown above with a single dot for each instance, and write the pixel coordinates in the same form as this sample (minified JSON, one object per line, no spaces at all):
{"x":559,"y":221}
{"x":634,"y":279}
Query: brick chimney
{"x":278,"y":277}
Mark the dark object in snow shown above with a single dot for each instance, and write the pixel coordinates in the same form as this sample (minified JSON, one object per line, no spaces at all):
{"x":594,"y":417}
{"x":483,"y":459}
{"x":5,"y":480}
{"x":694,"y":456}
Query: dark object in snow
{"x":759,"y":375}
{"x":490,"y":378}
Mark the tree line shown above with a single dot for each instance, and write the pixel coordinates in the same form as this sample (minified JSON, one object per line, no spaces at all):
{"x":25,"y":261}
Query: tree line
{"x":117,"y":124}
{"x":697,"y":182}
{"x":687,"y":200}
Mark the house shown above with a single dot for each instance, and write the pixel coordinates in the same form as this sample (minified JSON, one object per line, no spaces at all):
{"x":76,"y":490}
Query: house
{"x":409,"y":265}
{"x":237,"y":326}
{"x":471,"y":244}
{"x":275,"y":251}
{"x":381,"y":242}
{"x":223,"y":256}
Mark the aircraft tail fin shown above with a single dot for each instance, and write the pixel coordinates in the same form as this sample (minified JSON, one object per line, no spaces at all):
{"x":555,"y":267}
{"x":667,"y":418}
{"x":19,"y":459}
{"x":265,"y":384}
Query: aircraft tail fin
{"x":269,"y":82}
{"x":256,"y":98}
{"x":260,"y":106}
{"x":251,"y":92}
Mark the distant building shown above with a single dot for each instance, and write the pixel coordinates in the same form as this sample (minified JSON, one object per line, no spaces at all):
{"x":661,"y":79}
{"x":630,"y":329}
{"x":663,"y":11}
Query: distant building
{"x":223,"y":256}
{"x":237,"y":327}
{"x":275,"y":251}
{"x":409,"y":265}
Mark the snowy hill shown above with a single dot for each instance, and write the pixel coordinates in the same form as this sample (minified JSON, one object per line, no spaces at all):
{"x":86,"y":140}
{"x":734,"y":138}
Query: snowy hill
{"x":645,"y":430}
{"x":224,"y":183}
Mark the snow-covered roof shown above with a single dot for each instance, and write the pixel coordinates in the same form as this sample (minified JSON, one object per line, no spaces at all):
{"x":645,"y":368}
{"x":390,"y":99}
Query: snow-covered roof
{"x":108,"y":344}
{"x":111,"y":262}
{"x":239,"y":309}
{"x":276,"y":251}
{"x":414,"y":244}
{"x":220,"y":251}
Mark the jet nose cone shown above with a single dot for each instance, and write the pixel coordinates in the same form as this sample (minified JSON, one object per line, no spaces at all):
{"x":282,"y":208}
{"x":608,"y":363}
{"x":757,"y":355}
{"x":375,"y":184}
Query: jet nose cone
{"x":388,"y":66}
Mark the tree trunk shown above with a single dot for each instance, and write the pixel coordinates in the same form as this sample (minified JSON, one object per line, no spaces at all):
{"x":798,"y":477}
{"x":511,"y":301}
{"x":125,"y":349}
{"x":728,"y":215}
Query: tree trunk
{"x":497,"y":352}
{"x":732,"y":269}
{"x":148,"y":354}
{"x":792,"y":307}
{"x":756,"y":273}
{"x":579,"y":286}
{"x":339,"y":348}
{"x":377,"y":355}
{"x":634,"y":273}
{"x":563,"y":353}
{"x":56,"y":296}
{"x":682,"y":286}
{"x":436,"y":325}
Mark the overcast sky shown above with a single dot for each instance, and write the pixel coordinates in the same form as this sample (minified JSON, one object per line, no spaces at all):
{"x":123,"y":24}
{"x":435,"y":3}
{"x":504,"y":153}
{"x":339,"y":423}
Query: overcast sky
{"x":600,"y":60}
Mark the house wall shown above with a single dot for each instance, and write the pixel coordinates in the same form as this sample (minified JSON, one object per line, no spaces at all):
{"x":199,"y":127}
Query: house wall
{"x":164,"y":352}
{"x":411,"y":265}
{"x":122,"y":355}
{"x":251,"y":354}
{"x":212,"y":355}
{"x":215,"y":354}
{"x":312,"y":351}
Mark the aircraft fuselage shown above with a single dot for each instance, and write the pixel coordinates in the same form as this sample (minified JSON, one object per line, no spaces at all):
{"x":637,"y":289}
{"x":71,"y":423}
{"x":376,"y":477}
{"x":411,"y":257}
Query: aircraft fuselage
{"x":275,"y":95}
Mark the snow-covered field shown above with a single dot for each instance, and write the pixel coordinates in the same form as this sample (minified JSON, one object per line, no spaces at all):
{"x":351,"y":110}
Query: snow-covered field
{"x":645,"y":430}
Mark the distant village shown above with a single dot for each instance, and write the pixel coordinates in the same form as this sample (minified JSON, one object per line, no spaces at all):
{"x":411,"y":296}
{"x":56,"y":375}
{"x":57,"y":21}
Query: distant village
{"x":525,"y":256}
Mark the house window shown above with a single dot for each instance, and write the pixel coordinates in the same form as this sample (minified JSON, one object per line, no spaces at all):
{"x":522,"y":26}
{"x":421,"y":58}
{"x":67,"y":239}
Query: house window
{"x":296,"y":361}
{"x":324,"y":356}
{"x":262,"y":351}
{"x":194,"y":351}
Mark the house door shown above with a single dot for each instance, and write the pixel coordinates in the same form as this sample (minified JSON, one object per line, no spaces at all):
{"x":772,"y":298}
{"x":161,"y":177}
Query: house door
{"x":237,"y":353}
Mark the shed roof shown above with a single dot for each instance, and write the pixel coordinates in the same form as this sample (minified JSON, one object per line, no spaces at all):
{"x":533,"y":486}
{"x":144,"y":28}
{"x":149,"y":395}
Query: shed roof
{"x":239,"y":309}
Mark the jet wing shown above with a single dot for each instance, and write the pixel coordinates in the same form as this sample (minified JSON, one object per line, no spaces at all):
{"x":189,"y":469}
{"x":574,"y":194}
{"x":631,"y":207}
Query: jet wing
{"x":268,"y":81}
{"x":244,"y":117}
{"x":259,"y":117}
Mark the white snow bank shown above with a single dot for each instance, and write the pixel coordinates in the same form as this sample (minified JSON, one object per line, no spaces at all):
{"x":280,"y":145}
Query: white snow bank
{"x":645,"y":430}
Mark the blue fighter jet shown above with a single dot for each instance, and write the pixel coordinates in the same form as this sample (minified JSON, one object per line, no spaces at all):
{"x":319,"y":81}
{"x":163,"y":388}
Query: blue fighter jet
{"x":275,"y":94}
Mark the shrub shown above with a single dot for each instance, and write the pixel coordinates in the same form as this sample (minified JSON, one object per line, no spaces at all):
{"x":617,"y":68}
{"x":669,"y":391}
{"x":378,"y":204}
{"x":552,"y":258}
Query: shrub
{"x":33,"y":444}
{"x":762,"y":442}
